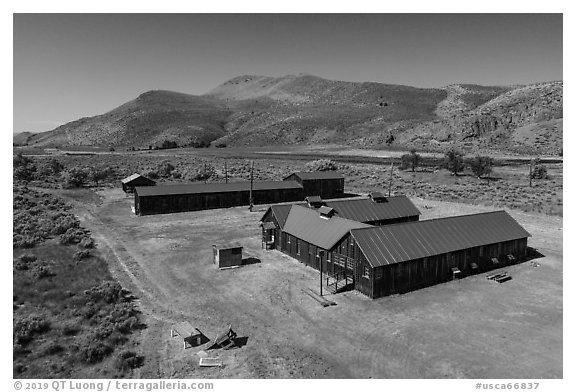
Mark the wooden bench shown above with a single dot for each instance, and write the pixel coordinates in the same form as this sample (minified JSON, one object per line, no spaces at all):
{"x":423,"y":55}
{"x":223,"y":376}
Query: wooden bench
{"x":192,"y":337}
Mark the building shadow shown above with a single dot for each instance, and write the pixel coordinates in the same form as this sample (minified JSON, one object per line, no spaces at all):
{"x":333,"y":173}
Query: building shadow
{"x":251,"y":260}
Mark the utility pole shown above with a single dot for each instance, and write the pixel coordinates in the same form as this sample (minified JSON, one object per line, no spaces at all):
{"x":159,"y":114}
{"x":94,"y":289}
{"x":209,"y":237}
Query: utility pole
{"x":205,"y":178}
{"x":226,"y":171}
{"x":530,"y":175}
{"x":390,"y":184}
{"x":251,"y":185}
{"x":321,"y":254}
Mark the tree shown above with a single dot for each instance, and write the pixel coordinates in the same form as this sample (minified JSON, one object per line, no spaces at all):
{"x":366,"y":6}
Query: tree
{"x":411,"y":160}
{"x":481,"y":166}
{"x":538,"y":171}
{"x":77,"y":177}
{"x":454,"y":161}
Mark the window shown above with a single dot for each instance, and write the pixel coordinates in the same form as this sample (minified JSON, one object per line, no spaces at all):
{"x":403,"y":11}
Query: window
{"x":366,"y":273}
{"x":289,"y":236}
{"x":297,"y":246}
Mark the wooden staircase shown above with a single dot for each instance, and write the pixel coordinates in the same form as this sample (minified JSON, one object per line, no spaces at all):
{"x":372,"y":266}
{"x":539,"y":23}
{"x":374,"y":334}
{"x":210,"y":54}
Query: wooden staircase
{"x":340,"y":281}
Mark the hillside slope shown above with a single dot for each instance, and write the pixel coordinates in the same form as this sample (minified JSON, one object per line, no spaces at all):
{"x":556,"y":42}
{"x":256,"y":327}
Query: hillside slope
{"x":302,"y":109}
{"x":150,"y":119}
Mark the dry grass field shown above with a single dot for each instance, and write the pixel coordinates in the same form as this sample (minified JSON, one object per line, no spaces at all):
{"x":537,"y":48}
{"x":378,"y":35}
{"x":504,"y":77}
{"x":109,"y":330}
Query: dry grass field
{"x":469,"y":328}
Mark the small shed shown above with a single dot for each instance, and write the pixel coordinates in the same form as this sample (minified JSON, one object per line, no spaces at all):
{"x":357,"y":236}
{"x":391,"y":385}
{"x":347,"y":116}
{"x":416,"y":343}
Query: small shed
{"x":130,"y":182}
{"x":227,"y":255}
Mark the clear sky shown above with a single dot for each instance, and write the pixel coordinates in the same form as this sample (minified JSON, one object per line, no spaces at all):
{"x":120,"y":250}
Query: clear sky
{"x":68,"y":66}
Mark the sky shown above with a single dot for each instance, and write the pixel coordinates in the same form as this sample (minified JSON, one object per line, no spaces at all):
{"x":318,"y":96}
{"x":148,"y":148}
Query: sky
{"x":68,"y":66}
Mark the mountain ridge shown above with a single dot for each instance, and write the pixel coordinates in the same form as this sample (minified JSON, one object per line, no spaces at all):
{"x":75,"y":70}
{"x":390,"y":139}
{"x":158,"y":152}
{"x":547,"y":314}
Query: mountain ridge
{"x":299,"y":109}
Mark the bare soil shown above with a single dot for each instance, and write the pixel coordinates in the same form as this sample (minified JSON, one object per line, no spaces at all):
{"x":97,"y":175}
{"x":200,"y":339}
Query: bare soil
{"x":469,"y":328}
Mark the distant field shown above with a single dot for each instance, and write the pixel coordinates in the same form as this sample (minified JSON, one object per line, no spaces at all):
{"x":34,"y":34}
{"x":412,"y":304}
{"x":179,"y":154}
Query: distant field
{"x":509,"y":186}
{"x":470,"y":328}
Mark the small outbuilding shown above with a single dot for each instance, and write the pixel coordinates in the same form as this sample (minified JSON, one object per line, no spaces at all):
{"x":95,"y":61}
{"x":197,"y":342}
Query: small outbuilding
{"x":131,"y":182}
{"x":325,"y":184}
{"x":227,"y":255}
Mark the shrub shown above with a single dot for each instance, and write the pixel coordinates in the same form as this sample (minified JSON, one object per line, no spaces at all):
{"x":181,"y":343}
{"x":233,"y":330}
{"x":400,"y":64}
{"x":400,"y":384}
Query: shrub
{"x":25,"y":328}
{"x":165,"y":169}
{"x":42,"y":271}
{"x":55,"y":166}
{"x":539,"y":172}
{"x":53,"y":348}
{"x":322,"y":165}
{"x":76,"y":177}
{"x":23,"y":262}
{"x":81,"y":255}
{"x":72,"y":236}
{"x":203,"y":173}
{"x":87,"y":242}
{"x":127,"y":360}
{"x":93,"y":350}
{"x":153,"y":175}
{"x":109,"y":292}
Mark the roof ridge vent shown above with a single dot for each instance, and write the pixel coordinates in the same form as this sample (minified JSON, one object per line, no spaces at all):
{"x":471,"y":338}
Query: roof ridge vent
{"x":377,"y":197}
{"x":326,"y":212}
{"x":314,"y":201}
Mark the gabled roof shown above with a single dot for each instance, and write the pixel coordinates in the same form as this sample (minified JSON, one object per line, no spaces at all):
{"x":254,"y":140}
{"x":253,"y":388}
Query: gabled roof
{"x":367,"y":210}
{"x":360,"y":210}
{"x":306,"y":224}
{"x":280,"y":211}
{"x":217,"y":187}
{"x":391,"y":244}
{"x":319,"y":175}
{"x":133,"y":177}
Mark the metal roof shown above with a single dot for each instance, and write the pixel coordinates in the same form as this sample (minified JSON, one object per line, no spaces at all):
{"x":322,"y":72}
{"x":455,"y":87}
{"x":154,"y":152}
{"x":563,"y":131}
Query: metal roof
{"x":281,"y":212}
{"x":132,"y":178}
{"x":391,"y":244}
{"x":228,"y":245}
{"x":319,"y":175}
{"x":306,"y":224}
{"x":360,"y":210}
{"x":366,"y":210}
{"x":217,"y":187}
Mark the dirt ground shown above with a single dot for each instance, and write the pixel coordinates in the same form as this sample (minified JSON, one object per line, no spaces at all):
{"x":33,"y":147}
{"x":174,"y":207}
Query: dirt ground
{"x":469,"y":328}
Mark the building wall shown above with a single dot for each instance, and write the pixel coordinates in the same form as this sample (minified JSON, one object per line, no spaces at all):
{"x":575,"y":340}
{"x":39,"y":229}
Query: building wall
{"x":415,"y":274}
{"x":163,"y":204}
{"x":325,"y":188}
{"x":393,"y":221}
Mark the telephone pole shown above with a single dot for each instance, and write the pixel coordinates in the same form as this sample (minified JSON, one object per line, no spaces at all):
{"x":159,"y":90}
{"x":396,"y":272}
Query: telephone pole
{"x":251,"y":185}
{"x":226,"y":171}
{"x":530,"y":175}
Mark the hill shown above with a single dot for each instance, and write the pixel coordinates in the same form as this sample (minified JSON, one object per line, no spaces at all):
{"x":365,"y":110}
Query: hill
{"x":302,"y":109}
{"x":150,"y":119}
{"x":20,"y":139}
